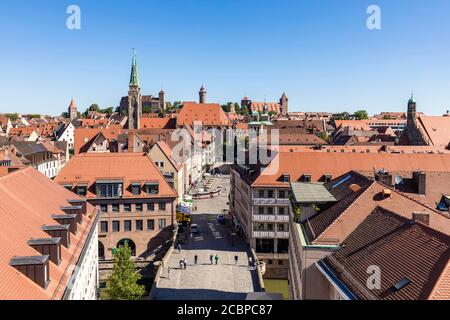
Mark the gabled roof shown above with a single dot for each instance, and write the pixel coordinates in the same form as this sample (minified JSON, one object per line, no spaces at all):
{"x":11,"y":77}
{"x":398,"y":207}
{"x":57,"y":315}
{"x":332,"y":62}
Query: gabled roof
{"x":167,"y":151}
{"x":129,"y":167}
{"x":437,"y":129}
{"x":400,"y":248}
{"x":28,"y":200}
{"x":210,"y":114}
{"x":159,"y":123}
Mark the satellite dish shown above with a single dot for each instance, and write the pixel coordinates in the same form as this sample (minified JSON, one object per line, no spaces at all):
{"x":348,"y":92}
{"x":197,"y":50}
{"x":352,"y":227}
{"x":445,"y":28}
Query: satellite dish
{"x":398,"y":180}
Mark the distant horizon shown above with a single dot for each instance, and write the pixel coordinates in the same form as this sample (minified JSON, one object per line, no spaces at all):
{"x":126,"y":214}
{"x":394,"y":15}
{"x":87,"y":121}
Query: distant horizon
{"x":321,"y":53}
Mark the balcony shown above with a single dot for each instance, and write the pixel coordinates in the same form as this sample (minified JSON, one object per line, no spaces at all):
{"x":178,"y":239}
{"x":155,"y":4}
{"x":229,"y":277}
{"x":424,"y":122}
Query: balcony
{"x":271,"y":234}
{"x":270,"y":218}
{"x":270,"y":202}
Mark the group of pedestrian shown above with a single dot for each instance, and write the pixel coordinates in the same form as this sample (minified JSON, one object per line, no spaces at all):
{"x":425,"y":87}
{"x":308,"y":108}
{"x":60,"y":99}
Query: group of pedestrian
{"x":214,"y":258}
{"x":183,"y":264}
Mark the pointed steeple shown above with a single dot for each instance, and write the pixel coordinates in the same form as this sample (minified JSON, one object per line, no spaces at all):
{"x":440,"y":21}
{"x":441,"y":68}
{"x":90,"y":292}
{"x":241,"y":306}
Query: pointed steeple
{"x":412,"y":100}
{"x":134,"y":78}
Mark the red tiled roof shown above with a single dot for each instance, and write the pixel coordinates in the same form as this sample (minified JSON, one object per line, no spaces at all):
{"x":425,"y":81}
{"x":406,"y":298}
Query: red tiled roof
{"x":83,"y":137}
{"x":129,"y":167}
{"x":210,"y":114}
{"x":271,"y":106}
{"x":400,"y":248}
{"x":28,"y":200}
{"x":159,"y":123}
{"x":437,"y":129}
{"x":317,"y":164}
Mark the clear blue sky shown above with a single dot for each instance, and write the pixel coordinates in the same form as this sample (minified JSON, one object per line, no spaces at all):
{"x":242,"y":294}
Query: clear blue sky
{"x":320,"y":52}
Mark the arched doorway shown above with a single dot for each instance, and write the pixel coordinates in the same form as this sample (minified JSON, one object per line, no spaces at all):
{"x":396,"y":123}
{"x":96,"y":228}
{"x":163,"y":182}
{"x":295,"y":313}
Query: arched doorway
{"x":130,"y":244}
{"x":101,"y":251}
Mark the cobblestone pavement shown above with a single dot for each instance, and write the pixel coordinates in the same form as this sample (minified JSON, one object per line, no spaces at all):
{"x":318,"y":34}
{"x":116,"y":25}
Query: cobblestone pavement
{"x":205,"y":281}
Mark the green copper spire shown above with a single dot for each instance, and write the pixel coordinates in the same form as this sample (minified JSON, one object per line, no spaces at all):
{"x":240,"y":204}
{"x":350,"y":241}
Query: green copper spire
{"x":412,"y":100}
{"x":134,"y":78}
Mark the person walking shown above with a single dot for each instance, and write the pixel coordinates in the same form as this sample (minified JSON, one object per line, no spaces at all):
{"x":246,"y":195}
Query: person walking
{"x":211,"y":257}
{"x":185,"y":263}
{"x":216,"y":258}
{"x":179,"y":248}
{"x":250,"y":261}
{"x":168,"y":272}
{"x":236,"y":259}
{"x":195,"y":259}
{"x":181,"y":264}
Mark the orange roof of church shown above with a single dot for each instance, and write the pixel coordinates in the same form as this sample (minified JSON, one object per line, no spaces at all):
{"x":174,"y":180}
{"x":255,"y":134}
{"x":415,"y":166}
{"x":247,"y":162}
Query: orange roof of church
{"x":210,"y":114}
{"x":437,"y":129}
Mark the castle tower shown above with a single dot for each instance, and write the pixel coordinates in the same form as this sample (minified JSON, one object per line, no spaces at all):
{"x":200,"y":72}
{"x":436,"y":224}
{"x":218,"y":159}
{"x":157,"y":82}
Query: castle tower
{"x":134,"y":97}
{"x":73,"y":112}
{"x":202,"y":95}
{"x":162,"y":100}
{"x":284,"y":102}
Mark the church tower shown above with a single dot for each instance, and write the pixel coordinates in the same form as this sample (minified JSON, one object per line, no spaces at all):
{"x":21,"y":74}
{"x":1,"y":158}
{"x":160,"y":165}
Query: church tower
{"x":202,"y":95}
{"x":134,"y":97}
{"x":284,"y":102}
{"x":73,"y":112}
{"x":411,"y":114}
{"x":162,"y":100}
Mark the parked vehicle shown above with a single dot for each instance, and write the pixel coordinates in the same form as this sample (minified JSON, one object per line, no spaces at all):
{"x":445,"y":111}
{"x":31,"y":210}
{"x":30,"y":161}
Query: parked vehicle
{"x":221,"y":219}
{"x":195,"y":229}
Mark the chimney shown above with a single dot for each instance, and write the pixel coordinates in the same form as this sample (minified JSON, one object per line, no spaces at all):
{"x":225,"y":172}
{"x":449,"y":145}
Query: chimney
{"x":35,"y":268}
{"x":59,"y":231}
{"x":384,"y":178}
{"x":420,"y":179}
{"x":48,"y":246}
{"x":70,"y":219}
{"x":76,"y":210}
{"x":422,"y":217}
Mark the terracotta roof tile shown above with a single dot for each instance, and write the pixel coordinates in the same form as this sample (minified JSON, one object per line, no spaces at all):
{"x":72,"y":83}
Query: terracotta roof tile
{"x":28,"y":199}
{"x":210,"y":114}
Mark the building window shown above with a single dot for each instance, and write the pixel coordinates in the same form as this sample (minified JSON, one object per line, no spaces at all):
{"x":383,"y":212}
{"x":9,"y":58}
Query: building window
{"x":264,"y":245}
{"x":116,"y":226}
{"x":152,"y":188}
{"x":260,"y":210}
{"x":138,"y":207}
{"x":115,"y":208}
{"x":281,"y":194}
{"x":261,"y":193}
{"x":109,"y":190}
{"x":150,"y":224}
{"x":280,"y":262}
{"x":139,"y":225}
{"x":136,"y":189}
{"x":162,"y":223}
{"x":270,"y":194}
{"x":104,"y":207}
{"x":104,"y":226}
{"x":150,"y":206}
{"x":269,"y":261}
{"x":281,"y":211}
{"x":281,"y":227}
{"x":127,"y":207}
{"x":328,"y":177}
{"x":307,"y":178}
{"x":162,"y":206}
{"x":127,"y":225}
{"x":82,"y":191}
{"x":269,"y":227}
{"x":270,"y":210}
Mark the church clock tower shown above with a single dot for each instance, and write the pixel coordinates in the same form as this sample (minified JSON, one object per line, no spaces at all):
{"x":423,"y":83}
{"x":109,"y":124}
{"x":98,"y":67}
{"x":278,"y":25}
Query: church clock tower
{"x":134,"y":97}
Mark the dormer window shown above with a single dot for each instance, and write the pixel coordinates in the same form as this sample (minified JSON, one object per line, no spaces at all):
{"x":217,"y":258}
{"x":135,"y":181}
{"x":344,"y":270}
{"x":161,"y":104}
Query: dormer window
{"x":109,"y":188}
{"x":82,"y":190}
{"x":152,"y":188}
{"x":328,"y":177}
{"x":34,"y":267}
{"x":136,"y":188}
{"x":286,"y":178}
{"x":307,"y":177}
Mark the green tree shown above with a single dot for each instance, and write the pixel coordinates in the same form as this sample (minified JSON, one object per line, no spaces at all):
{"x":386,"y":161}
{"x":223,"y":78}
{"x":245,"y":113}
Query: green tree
{"x":123,"y":280}
{"x":237,"y":107}
{"x":108,"y":110}
{"x":12,"y":116}
{"x":176,"y":105}
{"x":361,"y":115}
{"x":244,"y":111}
{"x":226,"y":107}
{"x":272,"y":113}
{"x":65,"y":115}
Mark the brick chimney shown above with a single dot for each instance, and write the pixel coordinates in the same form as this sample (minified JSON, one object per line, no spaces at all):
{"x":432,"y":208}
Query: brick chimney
{"x":420,"y":179}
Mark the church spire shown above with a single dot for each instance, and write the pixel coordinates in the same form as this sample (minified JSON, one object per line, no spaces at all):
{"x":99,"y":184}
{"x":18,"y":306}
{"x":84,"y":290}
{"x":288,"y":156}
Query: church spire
{"x":134,"y":78}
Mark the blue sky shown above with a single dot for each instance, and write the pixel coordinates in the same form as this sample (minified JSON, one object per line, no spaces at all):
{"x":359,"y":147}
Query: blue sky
{"x":320,"y":52}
